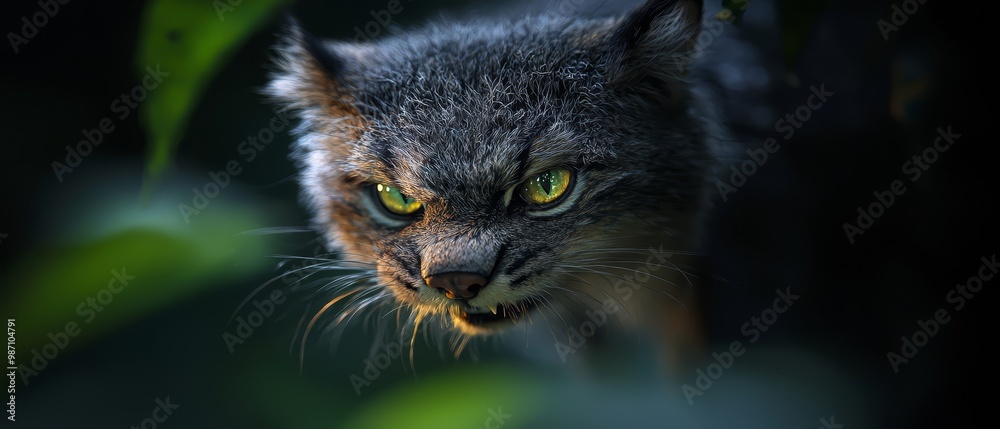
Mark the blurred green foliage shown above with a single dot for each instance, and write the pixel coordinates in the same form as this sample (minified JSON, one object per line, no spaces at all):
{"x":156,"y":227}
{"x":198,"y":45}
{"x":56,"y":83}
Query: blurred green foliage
{"x":170,"y":262}
{"x":441,"y":400}
{"x":191,"y":41}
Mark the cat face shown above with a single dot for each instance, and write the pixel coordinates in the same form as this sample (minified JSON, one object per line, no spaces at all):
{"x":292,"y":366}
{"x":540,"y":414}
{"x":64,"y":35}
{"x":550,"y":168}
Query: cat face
{"x":475,"y":169}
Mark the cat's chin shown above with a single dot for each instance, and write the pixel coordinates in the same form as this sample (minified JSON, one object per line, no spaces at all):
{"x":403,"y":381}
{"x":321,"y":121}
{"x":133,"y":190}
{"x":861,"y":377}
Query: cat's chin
{"x":474,"y":321}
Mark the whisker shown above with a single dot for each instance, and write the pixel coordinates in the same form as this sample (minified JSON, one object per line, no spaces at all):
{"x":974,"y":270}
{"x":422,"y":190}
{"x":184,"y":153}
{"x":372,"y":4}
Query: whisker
{"x":291,"y":345}
{"x":278,"y":230}
{"x":644,"y":286}
{"x":302,"y":351}
{"x":257,"y":290}
{"x":613,"y":267}
{"x":602,"y":290}
{"x":419,"y":315}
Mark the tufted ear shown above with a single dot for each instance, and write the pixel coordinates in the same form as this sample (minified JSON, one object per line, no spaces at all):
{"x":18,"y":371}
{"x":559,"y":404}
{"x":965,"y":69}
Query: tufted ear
{"x":655,"y":41}
{"x":313,"y":76}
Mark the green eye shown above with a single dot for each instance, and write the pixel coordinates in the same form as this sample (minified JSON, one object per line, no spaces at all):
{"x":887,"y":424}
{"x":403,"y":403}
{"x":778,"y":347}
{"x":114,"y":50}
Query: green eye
{"x":396,"y":202}
{"x":546,"y":188}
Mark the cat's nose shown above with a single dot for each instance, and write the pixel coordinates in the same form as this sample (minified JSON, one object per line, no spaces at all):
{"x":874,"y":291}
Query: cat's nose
{"x":457,"y":285}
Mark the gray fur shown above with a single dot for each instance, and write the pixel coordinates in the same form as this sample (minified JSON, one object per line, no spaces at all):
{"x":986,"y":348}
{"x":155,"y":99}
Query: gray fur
{"x":456,"y":114}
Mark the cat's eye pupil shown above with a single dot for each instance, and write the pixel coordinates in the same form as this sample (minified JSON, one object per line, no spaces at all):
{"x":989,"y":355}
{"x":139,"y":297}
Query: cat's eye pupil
{"x":546,"y":188}
{"x":395,"y":202}
{"x":545,"y":181}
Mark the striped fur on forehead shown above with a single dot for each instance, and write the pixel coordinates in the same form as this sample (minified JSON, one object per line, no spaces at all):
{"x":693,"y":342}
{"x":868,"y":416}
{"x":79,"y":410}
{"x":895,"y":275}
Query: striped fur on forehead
{"x":451,"y":164}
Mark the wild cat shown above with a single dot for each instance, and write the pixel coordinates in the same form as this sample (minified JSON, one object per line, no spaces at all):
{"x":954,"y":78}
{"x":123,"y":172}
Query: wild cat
{"x":486,"y":174}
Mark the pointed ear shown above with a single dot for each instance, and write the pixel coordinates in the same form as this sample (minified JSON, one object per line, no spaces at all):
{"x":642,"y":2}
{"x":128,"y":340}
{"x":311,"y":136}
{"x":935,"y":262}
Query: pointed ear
{"x":656,"y":40}
{"x":313,"y":76}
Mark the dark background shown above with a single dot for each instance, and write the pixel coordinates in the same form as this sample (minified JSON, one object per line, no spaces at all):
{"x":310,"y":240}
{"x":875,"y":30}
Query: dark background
{"x":827,"y":356}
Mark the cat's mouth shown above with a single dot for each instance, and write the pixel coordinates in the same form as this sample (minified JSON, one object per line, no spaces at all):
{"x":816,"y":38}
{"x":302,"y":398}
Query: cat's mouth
{"x":491,"y":318}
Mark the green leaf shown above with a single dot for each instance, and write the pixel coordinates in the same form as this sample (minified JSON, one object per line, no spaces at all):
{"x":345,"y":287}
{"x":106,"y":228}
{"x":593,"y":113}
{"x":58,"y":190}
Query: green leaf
{"x":443,"y":400}
{"x":190,"y":40}
{"x":162,"y":263}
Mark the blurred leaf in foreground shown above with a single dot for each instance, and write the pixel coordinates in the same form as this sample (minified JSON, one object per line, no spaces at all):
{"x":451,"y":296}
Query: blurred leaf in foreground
{"x":444,"y":401}
{"x":190,"y":40}
{"x":107,"y":281}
